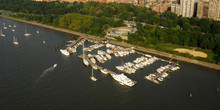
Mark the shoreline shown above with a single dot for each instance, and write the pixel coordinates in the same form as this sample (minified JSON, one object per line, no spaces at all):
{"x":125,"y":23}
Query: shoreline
{"x":137,"y":48}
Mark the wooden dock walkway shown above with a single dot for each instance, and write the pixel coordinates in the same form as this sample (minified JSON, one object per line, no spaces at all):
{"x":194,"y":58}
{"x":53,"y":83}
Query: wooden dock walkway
{"x":99,"y":67}
{"x":64,"y":42}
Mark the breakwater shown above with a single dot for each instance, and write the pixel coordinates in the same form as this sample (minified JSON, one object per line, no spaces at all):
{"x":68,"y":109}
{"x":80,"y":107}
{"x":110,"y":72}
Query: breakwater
{"x":138,"y":48}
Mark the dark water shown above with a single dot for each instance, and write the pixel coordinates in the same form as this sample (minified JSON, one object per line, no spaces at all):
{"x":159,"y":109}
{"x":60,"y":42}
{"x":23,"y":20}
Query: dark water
{"x":24,"y":86}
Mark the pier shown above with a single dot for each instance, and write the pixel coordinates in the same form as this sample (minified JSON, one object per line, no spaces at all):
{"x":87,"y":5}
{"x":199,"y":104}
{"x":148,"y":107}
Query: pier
{"x":99,"y":67}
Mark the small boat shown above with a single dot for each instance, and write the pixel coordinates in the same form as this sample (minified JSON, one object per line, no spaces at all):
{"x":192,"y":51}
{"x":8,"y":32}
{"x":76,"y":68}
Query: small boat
{"x":95,"y":67}
{"x":160,"y":79}
{"x":13,"y":30}
{"x":92,"y":77}
{"x":26,"y":34}
{"x":15,"y":41}
{"x":14,"y":25}
{"x":44,"y":42}
{"x":104,"y":70}
{"x":65,"y":52}
{"x":93,"y":60}
{"x":85,"y":62}
{"x":4,"y":27}
{"x":37,"y":32}
{"x":55,"y":65}
{"x":9,"y":25}
{"x":108,"y":56}
{"x":2,"y":35}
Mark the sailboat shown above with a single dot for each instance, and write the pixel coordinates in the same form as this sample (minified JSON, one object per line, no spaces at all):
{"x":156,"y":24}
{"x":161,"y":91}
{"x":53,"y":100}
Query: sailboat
{"x":15,"y":41}
{"x":2,"y":35}
{"x":4,"y":27}
{"x":37,"y":32}
{"x":26,"y":34}
{"x":14,"y":25}
{"x":92,"y":77}
{"x":84,"y":60}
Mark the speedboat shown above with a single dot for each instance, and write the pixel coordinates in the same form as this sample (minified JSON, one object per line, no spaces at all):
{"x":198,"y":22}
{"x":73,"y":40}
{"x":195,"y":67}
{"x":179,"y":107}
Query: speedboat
{"x":55,"y":65}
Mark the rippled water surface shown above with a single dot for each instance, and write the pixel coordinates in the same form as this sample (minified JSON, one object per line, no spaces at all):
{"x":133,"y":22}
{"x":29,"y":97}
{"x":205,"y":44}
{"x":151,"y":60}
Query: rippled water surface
{"x":27,"y":81}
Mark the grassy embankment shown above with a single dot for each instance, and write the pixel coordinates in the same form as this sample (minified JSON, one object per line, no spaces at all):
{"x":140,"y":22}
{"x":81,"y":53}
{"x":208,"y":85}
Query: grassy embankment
{"x":211,"y":56}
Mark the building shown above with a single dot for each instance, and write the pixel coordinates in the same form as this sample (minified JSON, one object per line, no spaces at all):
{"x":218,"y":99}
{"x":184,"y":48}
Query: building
{"x":160,"y":7}
{"x":202,"y":9}
{"x":184,"y":8}
{"x":209,"y":9}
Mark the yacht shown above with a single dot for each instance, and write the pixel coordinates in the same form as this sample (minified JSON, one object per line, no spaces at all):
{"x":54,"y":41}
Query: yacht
{"x":15,"y":41}
{"x":85,"y":62}
{"x":116,"y":54}
{"x":123,"y":80}
{"x":2,"y":35}
{"x":95,"y":67}
{"x":120,"y":68}
{"x":108,"y":56}
{"x":104,"y":70}
{"x":65,"y":52}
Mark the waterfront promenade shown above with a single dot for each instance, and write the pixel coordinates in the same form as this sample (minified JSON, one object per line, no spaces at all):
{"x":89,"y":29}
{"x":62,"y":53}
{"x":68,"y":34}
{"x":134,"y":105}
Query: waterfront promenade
{"x":137,"y":48}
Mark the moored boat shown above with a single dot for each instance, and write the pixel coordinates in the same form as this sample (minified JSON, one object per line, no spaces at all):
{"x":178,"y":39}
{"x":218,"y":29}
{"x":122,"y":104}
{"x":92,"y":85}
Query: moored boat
{"x":65,"y":52}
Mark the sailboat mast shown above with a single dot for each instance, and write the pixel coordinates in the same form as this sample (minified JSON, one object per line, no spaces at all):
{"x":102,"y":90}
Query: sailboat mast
{"x":92,"y":72}
{"x":83,"y":51}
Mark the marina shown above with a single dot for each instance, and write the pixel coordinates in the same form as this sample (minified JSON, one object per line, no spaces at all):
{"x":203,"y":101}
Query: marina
{"x":102,"y":56}
{"x":69,"y":85}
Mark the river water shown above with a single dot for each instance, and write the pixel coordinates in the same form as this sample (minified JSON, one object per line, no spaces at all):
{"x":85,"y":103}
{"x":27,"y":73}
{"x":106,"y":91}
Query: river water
{"x":28,"y":81}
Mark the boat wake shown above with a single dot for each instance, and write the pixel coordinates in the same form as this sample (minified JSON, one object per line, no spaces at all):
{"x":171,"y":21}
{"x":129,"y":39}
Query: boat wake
{"x":45,"y":72}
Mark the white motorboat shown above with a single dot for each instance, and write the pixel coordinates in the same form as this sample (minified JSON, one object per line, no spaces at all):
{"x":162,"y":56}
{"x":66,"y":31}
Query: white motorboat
{"x":13,"y":30}
{"x":123,"y":80}
{"x":108,"y":56}
{"x":94,"y":67}
{"x":93,"y":60}
{"x":85,"y":62}
{"x":104,"y":70}
{"x":65,"y":52}
{"x":55,"y":65}
{"x":160,"y":79}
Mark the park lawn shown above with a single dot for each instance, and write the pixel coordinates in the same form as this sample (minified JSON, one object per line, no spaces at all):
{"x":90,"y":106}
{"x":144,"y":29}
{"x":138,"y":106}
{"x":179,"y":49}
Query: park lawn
{"x":211,"y":56}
